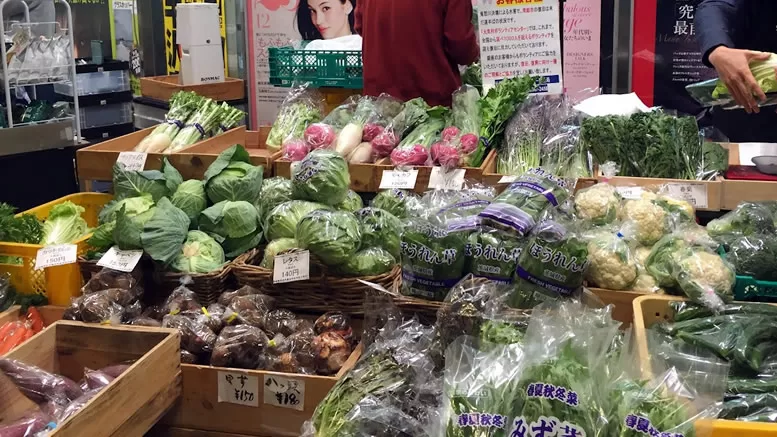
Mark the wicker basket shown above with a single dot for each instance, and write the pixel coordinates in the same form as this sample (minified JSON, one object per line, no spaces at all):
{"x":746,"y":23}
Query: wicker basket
{"x":88,"y":268}
{"x":322,"y":292}
{"x":207,"y":286}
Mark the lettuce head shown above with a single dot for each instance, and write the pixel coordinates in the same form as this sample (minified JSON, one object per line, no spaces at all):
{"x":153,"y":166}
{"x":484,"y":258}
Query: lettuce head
{"x":282,"y":221}
{"x":351,"y":203}
{"x":190,"y":198}
{"x":236,"y":225}
{"x":379,"y":228}
{"x":64,"y":224}
{"x":233,"y":177}
{"x":321,"y":177}
{"x":275,"y":191}
{"x":368,"y":262}
{"x":199,"y":254}
{"x":332,"y":236}
{"x":159,"y":232}
{"x":274,"y":248}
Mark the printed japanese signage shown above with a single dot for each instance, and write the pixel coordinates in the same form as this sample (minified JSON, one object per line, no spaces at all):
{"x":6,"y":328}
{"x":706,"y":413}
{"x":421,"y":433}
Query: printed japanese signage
{"x":172,"y":55}
{"x":238,"y":388}
{"x":284,"y":392}
{"x":401,"y":179}
{"x":582,"y":35}
{"x":519,"y":37}
{"x":291,"y":267}
{"x":666,"y":56}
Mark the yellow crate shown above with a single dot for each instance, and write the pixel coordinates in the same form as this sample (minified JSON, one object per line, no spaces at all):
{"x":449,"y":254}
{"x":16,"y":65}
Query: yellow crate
{"x":652,"y":309}
{"x":59,"y":283}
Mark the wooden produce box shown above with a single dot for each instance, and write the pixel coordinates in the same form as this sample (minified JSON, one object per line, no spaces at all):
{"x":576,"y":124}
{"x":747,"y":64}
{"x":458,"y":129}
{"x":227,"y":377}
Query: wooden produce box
{"x":622,"y":302}
{"x":49,"y":313}
{"x":162,"y":87}
{"x":736,"y":192}
{"x":131,"y":404}
{"x":201,"y":155}
{"x":703,"y":195}
{"x":203,"y":406}
{"x":95,"y":163}
{"x":500,"y":181}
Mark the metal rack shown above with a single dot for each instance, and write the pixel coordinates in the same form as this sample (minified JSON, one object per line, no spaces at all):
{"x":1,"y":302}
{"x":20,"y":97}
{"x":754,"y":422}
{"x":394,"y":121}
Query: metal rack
{"x":18,"y":77}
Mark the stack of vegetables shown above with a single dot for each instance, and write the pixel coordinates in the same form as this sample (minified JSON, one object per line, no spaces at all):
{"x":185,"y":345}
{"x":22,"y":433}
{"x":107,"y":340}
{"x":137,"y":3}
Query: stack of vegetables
{"x":16,"y":332}
{"x":63,"y":225}
{"x":317,"y":211}
{"x":370,"y":129}
{"x":191,"y":118}
{"x":187,"y":226}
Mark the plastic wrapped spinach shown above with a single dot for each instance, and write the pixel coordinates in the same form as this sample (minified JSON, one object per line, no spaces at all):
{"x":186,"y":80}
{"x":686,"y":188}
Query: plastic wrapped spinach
{"x":747,"y":219}
{"x":493,"y":254}
{"x":520,"y":206}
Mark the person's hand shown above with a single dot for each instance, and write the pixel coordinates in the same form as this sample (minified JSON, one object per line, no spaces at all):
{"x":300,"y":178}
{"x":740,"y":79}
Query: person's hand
{"x":733,"y":66}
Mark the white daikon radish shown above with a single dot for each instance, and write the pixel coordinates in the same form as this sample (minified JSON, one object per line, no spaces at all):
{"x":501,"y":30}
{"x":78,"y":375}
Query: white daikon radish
{"x":349,"y":139}
{"x":156,"y":143}
{"x":361,"y":154}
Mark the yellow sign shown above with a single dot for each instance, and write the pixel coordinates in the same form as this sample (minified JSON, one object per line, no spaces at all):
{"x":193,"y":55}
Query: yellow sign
{"x":172,"y":58}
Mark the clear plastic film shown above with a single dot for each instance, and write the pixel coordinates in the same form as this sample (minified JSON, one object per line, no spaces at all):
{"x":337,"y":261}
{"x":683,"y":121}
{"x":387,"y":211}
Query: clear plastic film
{"x":39,"y":385}
{"x":754,"y":256}
{"x":612,"y":264}
{"x":226,"y":297}
{"x":293,"y":353}
{"x":414,"y":148}
{"x":401,"y":203}
{"x":493,"y":254}
{"x":182,"y":299}
{"x":747,"y":219}
{"x":251,"y":309}
{"x":302,"y":106}
{"x":704,"y":276}
{"x":350,"y":141}
{"x":241,"y":346}
{"x":195,"y":336}
{"x":714,"y":92}
{"x":598,"y":204}
{"x":28,"y":426}
{"x":460,"y":138}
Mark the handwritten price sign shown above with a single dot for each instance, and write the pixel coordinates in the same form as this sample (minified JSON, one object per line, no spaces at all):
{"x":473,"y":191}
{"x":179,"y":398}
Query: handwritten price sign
{"x":284,"y":392}
{"x":238,"y":388}
{"x":121,"y":260}
{"x":133,"y":161}
{"x":400,"y":179}
{"x":52,"y":256}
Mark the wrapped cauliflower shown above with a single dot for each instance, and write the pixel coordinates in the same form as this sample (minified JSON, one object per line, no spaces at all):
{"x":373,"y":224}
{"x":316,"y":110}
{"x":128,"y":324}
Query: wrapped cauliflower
{"x":662,"y":258}
{"x":612,"y":264}
{"x":704,"y":277}
{"x":598,"y":204}
{"x":647,"y":220}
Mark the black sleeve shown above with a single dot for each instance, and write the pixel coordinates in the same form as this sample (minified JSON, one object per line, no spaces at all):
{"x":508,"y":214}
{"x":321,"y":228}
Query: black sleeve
{"x":714,"y":23}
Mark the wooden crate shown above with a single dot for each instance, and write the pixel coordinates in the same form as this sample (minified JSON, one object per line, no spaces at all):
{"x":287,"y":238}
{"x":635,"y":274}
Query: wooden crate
{"x":49,"y":313}
{"x":95,"y":163}
{"x":162,"y":87}
{"x":711,"y":191}
{"x":652,"y":309}
{"x":622,"y":302}
{"x":500,"y":181}
{"x":131,"y":404}
{"x":736,"y":192}
{"x":200,"y":409}
{"x":201,"y":155}
{"x":174,"y":431}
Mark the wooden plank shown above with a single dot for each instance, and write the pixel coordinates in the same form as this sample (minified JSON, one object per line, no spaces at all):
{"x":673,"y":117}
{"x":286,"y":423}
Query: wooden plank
{"x":172,"y":431}
{"x":622,"y":302}
{"x":149,"y":414}
{"x":200,"y":156}
{"x":163,"y":87}
{"x":736,"y":192}
{"x":714,"y":188}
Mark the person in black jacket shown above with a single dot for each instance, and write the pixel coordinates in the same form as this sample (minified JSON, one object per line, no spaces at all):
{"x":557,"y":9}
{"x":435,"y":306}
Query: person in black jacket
{"x":732,"y":34}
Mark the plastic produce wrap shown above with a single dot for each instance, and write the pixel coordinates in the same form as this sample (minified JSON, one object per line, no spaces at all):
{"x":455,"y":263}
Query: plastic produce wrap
{"x":598,"y":204}
{"x":182,"y":299}
{"x":115,"y":280}
{"x":77,"y":404}
{"x":401,"y":203}
{"x":281,"y":321}
{"x":331,"y":352}
{"x":520,"y":206}
{"x":352,"y":202}
{"x":38,"y":385}
{"x":212,"y":316}
{"x":321,"y":177}
{"x":564,"y":155}
{"x":146,"y":321}
{"x":747,"y":219}
{"x":275,"y":248}
{"x":295,"y":149}
{"x":754,"y":256}
{"x":386,"y":108}
{"x":196,"y":337}
{"x":248,"y":310}
{"x":554,"y":259}
{"x":246,"y":290}
{"x":371,"y":261}
{"x":751,"y":408}
{"x":301,"y":107}
{"x":493,"y":254}
{"x":460,"y":138}
{"x":334,"y":321}
{"x":350,"y":137}
{"x":293,"y":353}
{"x":380,"y":418}
{"x":612,"y":264}
{"x":6,"y":293}
{"x":332,"y":236}
{"x":27,"y":426}
{"x":659,"y":263}
{"x":99,"y":308}
{"x":704,"y":276}
{"x":379,"y":228}
{"x":95,"y":380}
{"x":240,"y":346}
{"x":341,"y":115}
{"x":714,"y":92}
{"x":414,"y":148}
{"x":275,"y":190}
{"x":282,"y":221}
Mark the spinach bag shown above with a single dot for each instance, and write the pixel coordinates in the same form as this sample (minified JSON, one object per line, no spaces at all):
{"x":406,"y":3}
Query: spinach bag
{"x":492,"y":254}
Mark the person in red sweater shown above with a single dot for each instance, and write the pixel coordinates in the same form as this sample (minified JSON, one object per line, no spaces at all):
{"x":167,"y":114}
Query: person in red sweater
{"x":412,"y":48}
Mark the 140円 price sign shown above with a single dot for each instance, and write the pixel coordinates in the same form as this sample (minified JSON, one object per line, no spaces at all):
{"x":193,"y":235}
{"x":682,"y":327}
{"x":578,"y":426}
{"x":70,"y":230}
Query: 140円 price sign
{"x":290,"y":267}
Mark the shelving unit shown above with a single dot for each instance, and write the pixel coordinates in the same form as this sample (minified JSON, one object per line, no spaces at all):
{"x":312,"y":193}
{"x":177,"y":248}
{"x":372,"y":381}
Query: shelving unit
{"x":52,"y":133}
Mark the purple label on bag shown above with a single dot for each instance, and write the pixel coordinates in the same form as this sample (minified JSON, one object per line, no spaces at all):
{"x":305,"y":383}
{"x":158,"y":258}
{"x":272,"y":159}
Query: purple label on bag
{"x":510,"y":216}
{"x":464,"y":205}
{"x":560,"y":289}
{"x":538,"y":188}
{"x":464,"y":224}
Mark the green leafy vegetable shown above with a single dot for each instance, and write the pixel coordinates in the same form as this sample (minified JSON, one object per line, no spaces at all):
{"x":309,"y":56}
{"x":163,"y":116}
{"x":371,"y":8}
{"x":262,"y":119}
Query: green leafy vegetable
{"x":233,"y":177}
{"x":492,"y":254}
{"x":379,"y":228}
{"x":332,"y":236}
{"x":274,"y":248}
{"x":755,"y":256}
{"x":351,"y":203}
{"x":190,"y":198}
{"x":199,"y":254}
{"x":401,"y":203}
{"x":23,"y":229}
{"x":321,"y":177}
{"x":763,"y":72}
{"x":159,"y":232}
{"x":64,"y":224}
{"x":275,"y":191}
{"x":282,"y":221}
{"x":291,"y":122}
{"x":236,"y":225}
{"x":137,"y":183}
{"x":368,"y":262}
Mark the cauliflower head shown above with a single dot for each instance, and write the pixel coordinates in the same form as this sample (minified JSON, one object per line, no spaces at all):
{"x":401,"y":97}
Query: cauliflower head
{"x":704,"y":276}
{"x":641,"y":255}
{"x":611,"y":265}
{"x":648,"y":220}
{"x":599,"y":203}
{"x":646,"y":283}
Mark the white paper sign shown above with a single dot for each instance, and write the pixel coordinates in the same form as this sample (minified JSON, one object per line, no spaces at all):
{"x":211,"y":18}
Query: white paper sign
{"x":238,"y":388}
{"x":291,"y":267}
{"x":453,"y":179}
{"x":284,"y":392}
{"x":402,"y":179}
{"x":58,"y":255}
{"x":694,"y":193}
{"x":121,"y":260}
{"x":507,"y":179}
{"x":630,"y":193}
{"x":133,"y":161}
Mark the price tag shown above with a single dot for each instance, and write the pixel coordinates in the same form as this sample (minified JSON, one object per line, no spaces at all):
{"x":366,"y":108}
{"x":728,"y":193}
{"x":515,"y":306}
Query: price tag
{"x":507,"y":179}
{"x":402,"y":179}
{"x":59,"y":255}
{"x":630,"y":193}
{"x":284,"y":392}
{"x":450,"y":180}
{"x":694,"y":193}
{"x":291,"y":267}
{"x":121,"y":260}
{"x":239,"y":388}
{"x":133,"y":161}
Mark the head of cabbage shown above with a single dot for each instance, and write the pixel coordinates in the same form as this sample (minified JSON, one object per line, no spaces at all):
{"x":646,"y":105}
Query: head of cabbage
{"x":368,"y":262}
{"x":274,"y":248}
{"x":157,"y":183}
{"x":102,"y":238}
{"x":332,"y":236}
{"x":64,"y":224}
{"x":190,"y":198}
{"x":351,"y":203}
{"x":236,"y":225}
{"x":282,"y":221}
{"x":379,"y":228}
{"x":160,"y":231}
{"x":321,"y":177}
{"x":233,"y":177}
{"x":275,"y":191}
{"x":401,"y":203}
{"x":199,"y":254}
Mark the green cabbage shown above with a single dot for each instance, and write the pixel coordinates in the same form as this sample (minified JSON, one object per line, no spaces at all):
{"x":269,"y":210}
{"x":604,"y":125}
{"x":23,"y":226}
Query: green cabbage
{"x":160,"y":231}
{"x":332,"y":236}
{"x":199,"y":254}
{"x":137,"y":183}
{"x":236,"y":225}
{"x":351,"y":203}
{"x":274,"y":248}
{"x":379,"y":228}
{"x":102,"y":238}
{"x":64,"y":224}
{"x":400,"y":203}
{"x":190,"y":198}
{"x":232,"y":177}
{"x":274,"y":192}
{"x":282,"y":221}
{"x":368,"y":262}
{"x":321,"y":177}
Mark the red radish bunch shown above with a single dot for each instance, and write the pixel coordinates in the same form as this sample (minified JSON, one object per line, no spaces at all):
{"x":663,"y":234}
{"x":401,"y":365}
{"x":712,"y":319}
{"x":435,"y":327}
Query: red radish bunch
{"x":413,"y":155}
{"x":371,"y":131}
{"x":319,"y":136}
{"x":445,"y":154}
{"x":295,"y":150}
{"x":384,"y":143}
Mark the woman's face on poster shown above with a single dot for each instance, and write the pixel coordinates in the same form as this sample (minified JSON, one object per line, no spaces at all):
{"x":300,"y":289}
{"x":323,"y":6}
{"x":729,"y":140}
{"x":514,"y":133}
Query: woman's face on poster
{"x":331,"y":17}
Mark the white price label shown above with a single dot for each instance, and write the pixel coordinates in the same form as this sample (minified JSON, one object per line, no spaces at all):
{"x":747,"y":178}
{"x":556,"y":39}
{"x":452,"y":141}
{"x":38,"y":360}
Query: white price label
{"x":121,"y":260}
{"x":239,"y":388}
{"x":291,"y":267}
{"x":133,"y":161}
{"x":284,"y":392}
{"x":507,"y":179}
{"x":59,"y":255}
{"x":439,"y":179}
{"x":694,"y":193}
{"x":630,"y":193}
{"x":402,"y":179}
